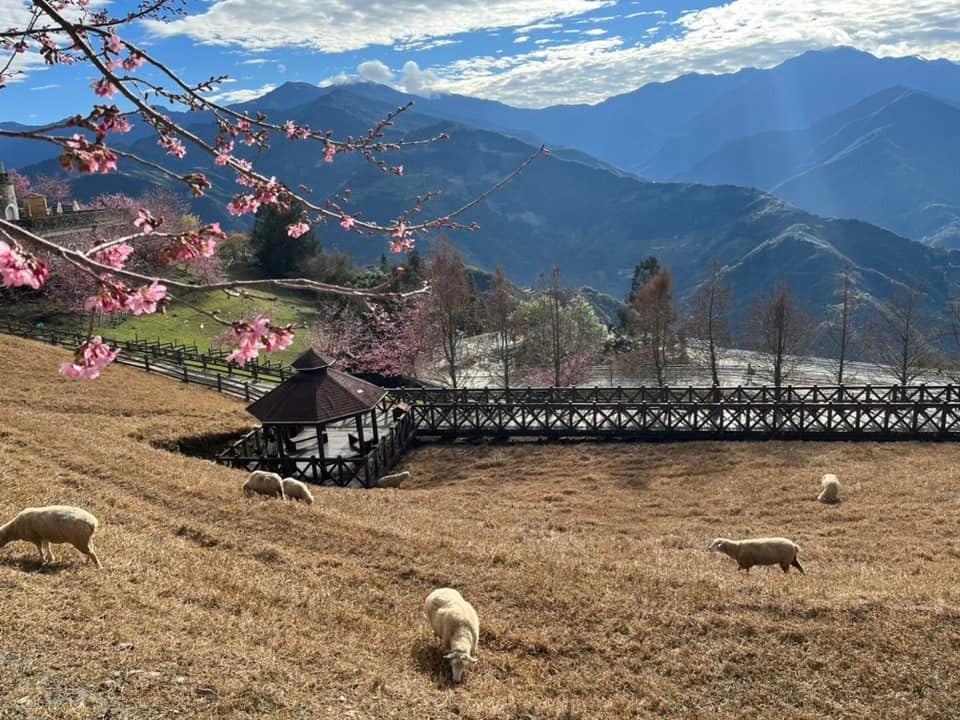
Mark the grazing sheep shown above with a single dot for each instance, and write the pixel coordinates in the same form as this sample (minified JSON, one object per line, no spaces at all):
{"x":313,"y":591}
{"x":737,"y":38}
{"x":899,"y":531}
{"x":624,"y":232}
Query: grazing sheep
{"x":263,"y":483}
{"x":830,"y":489}
{"x":53,"y":524}
{"x":296,"y":490}
{"x":393,"y":481}
{"x":760,"y":551}
{"x":455,"y":622}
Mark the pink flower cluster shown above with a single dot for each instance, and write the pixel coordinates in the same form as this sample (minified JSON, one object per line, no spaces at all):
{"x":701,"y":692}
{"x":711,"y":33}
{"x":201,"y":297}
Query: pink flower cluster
{"x":88,"y":158}
{"x":18,"y":267}
{"x":198,"y":183}
{"x":114,"y":297}
{"x":88,"y":360}
{"x":172,"y":145}
{"x":300,"y":228}
{"x":401,"y":240}
{"x":267,"y":193}
{"x":146,"y":222}
{"x":193,"y":245}
{"x":103,"y":87}
{"x":252,"y":336}
{"x":114,"y":256}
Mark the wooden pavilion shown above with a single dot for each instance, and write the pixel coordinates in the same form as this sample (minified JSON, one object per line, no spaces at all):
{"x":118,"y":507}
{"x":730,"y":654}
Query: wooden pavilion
{"x":306,"y":419}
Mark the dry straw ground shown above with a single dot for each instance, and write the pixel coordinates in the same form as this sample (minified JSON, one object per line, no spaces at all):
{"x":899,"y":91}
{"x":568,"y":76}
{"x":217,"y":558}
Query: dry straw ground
{"x":586,"y":562}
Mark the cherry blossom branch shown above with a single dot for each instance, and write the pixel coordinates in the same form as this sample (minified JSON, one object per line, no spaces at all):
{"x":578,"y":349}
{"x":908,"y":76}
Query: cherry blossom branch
{"x":144,"y":11}
{"x":17,"y":234}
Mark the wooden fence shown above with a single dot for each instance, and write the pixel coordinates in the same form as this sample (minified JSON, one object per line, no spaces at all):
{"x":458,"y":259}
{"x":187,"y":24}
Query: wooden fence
{"x":170,"y":360}
{"x":212,"y":360}
{"x":249,"y":453}
{"x":836,"y":412}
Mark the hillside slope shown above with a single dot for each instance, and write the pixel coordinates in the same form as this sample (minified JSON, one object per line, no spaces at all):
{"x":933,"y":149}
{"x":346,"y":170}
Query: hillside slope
{"x":587,"y":564}
{"x":893,"y":160}
{"x":569,"y":209}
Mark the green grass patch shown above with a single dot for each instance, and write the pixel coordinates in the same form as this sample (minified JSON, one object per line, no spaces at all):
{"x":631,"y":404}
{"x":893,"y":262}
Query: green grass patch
{"x":183,"y":325}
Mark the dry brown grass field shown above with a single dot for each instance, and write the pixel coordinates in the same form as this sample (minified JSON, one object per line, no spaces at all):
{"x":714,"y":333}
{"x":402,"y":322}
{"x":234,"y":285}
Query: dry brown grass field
{"x":587,"y":564}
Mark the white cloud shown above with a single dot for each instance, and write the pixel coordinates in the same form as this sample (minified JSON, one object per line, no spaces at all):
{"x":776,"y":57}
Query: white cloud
{"x":521,"y":39}
{"x":338,"y":79}
{"x":601,"y":19}
{"x":538,"y":26}
{"x":726,"y":38}
{"x":375,"y":71}
{"x":238,"y":96}
{"x":645,"y":13}
{"x":53,"y":86}
{"x":595,"y":32}
{"x":421,"y":45}
{"x":346,"y":25}
{"x":257,"y":61}
{"x":416,"y":81}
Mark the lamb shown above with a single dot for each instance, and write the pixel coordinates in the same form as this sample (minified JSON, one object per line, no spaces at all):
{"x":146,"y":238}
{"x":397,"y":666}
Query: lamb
{"x":760,"y":551}
{"x":263,"y":483}
{"x":296,"y":490}
{"x":53,"y":524}
{"x":830,"y":489}
{"x":455,"y":622}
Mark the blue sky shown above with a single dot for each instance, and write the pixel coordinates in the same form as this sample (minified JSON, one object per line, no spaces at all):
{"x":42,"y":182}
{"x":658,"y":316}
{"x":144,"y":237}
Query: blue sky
{"x":528,"y":53}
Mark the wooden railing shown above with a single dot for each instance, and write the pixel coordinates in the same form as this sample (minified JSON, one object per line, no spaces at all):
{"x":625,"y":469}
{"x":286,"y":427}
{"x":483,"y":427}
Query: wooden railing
{"x":211,"y":360}
{"x":249,"y":453}
{"x":834,"y":412}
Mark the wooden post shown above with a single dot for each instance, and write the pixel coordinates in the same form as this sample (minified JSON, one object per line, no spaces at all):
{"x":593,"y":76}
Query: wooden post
{"x":373,"y":417}
{"x":323,"y":465}
{"x":359,"y":419}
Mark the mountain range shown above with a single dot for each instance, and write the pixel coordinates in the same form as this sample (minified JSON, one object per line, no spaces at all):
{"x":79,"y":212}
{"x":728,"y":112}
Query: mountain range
{"x":587,"y":206}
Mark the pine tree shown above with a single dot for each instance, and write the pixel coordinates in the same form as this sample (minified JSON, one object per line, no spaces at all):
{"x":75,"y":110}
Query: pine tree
{"x":275,"y":251}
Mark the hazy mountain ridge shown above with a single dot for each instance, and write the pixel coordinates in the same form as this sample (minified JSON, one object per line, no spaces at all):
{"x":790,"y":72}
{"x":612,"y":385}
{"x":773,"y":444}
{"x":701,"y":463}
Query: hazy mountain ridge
{"x":892,"y":159}
{"x":594,"y":220}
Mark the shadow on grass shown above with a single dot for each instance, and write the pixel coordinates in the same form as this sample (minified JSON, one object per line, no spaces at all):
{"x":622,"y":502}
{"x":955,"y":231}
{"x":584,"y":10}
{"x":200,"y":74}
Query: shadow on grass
{"x":429,"y":661}
{"x":31,"y":565}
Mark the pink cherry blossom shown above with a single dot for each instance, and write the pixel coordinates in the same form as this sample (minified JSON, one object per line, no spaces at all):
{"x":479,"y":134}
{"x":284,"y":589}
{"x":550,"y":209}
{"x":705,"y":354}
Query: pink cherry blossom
{"x":279,"y":339}
{"x":111,"y":297}
{"x":104,"y":88}
{"x":295,"y":231}
{"x":146,"y":222}
{"x":347,"y":222}
{"x":172,"y":145}
{"x":113,"y":43}
{"x":144,"y":300}
{"x":89,"y":360}
{"x":330,"y":152}
{"x":252,"y":336}
{"x":114,"y":256}
{"x":133,"y":61}
{"x":19,"y":268}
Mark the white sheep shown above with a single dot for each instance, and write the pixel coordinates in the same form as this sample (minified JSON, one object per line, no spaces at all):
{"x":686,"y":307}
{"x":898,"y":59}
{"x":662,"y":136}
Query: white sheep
{"x":53,"y":524}
{"x":455,"y":622}
{"x":263,"y":483}
{"x":296,"y":490}
{"x":760,"y":551}
{"x":829,"y":489}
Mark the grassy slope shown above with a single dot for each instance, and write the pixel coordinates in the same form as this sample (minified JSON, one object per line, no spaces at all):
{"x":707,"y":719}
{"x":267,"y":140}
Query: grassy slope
{"x":586,"y":562}
{"x":188,"y":327}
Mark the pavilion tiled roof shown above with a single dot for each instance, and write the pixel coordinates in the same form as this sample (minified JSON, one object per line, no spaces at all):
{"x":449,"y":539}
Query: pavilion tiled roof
{"x":316,"y":394}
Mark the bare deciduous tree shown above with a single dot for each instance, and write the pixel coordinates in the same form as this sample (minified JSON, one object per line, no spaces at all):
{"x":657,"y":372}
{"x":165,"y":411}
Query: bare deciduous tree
{"x":653,"y":319}
{"x":780,"y":331}
{"x":501,"y":306}
{"x":902,"y":337}
{"x":708,"y":321}
{"x":452,"y":308}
